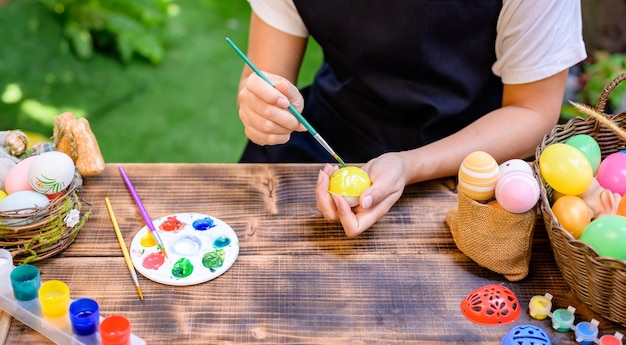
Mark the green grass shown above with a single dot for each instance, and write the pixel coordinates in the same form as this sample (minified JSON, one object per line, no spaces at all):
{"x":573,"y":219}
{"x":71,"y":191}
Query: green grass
{"x":183,"y":110}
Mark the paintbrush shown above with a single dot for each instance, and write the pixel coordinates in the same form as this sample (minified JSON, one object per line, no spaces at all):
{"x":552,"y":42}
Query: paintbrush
{"x":120,"y":239}
{"x":143,"y":211}
{"x":291,"y":108}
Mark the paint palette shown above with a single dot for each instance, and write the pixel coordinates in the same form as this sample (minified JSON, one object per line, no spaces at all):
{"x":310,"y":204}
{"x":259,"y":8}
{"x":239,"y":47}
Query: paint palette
{"x":199,"y":248}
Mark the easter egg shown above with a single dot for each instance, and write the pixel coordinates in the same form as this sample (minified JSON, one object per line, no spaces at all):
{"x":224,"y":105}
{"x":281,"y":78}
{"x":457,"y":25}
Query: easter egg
{"x":612,"y":173}
{"x":3,"y":195}
{"x":51,"y":172}
{"x":566,"y":169}
{"x":17,"y":178}
{"x":607,"y":235}
{"x":515,"y":165}
{"x":572,"y":213}
{"x":589,"y":147}
{"x":517,"y":192}
{"x":621,"y":206}
{"x":349,"y":182}
{"x":478,"y":175}
{"x":25,"y":201}
{"x":526,"y":334}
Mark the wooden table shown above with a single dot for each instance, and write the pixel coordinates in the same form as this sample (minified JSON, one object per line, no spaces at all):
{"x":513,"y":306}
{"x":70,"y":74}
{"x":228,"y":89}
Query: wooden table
{"x":298,"y":279}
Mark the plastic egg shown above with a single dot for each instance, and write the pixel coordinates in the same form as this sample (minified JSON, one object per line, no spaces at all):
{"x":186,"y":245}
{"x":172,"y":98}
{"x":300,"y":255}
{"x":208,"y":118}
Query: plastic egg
{"x":526,"y":334}
{"x":3,"y":195}
{"x":612,"y":173}
{"x":607,"y":235}
{"x":515,"y":165}
{"x":51,"y":172}
{"x":349,"y":182}
{"x":566,"y":169}
{"x":26,"y":200}
{"x":517,"y":192}
{"x":478,"y":175}
{"x":572,"y":213}
{"x":17,"y":178}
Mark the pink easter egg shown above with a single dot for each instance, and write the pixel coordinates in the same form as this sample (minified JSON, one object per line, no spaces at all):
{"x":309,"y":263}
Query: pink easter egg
{"x":612,"y":173}
{"x":517,"y":192}
{"x":17,"y":178}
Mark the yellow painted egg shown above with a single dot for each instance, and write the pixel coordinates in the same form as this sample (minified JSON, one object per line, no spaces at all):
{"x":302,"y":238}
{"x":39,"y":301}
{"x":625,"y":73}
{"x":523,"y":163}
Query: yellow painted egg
{"x":478,"y":175}
{"x":349,"y":182}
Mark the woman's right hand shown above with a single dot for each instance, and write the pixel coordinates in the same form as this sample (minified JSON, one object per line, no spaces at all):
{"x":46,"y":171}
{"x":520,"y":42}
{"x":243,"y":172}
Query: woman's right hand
{"x":263,"y":109}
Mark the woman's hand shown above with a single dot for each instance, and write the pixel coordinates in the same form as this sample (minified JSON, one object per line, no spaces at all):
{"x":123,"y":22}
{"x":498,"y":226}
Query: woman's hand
{"x":263,"y":109}
{"x":387,"y":173}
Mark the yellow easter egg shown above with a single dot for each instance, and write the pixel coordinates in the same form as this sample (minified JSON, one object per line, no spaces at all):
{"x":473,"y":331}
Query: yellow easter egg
{"x":349,"y":182}
{"x":478,"y":175}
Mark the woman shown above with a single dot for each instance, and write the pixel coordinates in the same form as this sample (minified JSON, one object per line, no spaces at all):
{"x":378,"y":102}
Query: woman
{"x":410,"y":87}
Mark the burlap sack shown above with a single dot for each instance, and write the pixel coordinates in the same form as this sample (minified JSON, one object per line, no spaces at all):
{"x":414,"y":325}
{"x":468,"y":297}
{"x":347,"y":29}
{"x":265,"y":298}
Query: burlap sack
{"x":493,"y":237}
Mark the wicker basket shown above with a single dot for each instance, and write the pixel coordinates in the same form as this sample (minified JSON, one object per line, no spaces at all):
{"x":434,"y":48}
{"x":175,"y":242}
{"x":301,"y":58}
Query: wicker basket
{"x":599,"y":282}
{"x":33,"y":234}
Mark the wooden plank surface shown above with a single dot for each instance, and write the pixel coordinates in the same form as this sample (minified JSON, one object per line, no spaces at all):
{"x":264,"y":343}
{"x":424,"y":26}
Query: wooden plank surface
{"x":298,"y":279}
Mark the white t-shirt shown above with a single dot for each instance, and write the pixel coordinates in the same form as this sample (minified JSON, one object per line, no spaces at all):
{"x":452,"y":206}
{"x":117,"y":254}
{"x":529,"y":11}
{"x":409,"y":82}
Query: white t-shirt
{"x":535,"y":38}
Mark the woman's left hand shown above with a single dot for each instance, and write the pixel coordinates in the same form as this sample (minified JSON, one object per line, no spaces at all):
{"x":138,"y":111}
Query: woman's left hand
{"x":388,"y":175}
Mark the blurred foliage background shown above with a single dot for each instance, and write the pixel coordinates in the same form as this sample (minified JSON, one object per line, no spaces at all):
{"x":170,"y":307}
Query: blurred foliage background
{"x":158,"y":83}
{"x":155,"y":78}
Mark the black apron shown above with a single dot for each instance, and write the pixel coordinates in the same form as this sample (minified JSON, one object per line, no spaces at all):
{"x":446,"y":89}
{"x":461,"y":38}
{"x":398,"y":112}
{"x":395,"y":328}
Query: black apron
{"x":396,"y":75}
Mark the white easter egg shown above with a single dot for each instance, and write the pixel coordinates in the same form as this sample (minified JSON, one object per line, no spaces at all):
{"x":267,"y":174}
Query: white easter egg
{"x":23,"y":203}
{"x":515,"y":165}
{"x":51,"y":172}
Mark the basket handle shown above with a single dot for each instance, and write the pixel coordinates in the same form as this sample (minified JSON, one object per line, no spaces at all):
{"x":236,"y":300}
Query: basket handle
{"x":607,"y":90}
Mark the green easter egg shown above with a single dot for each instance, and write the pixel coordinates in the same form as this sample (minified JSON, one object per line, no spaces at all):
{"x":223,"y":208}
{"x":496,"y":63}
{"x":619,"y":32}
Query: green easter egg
{"x":607,"y":235}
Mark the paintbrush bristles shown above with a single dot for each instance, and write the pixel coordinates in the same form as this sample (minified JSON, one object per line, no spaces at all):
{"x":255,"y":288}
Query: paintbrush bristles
{"x":600,"y":117}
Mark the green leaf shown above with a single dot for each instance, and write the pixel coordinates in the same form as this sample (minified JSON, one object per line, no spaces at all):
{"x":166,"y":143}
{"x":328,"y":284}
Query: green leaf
{"x":80,"y":39}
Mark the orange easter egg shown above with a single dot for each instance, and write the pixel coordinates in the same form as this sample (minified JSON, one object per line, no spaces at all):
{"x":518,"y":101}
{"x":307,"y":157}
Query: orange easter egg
{"x":573,"y":214}
{"x":478,"y":175}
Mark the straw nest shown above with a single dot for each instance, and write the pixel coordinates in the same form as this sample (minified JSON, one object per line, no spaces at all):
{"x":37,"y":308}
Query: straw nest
{"x":33,"y":234}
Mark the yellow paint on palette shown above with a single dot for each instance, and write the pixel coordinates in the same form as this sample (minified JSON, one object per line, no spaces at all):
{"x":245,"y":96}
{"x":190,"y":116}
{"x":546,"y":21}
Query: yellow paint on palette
{"x":478,"y":175}
{"x":148,"y":240}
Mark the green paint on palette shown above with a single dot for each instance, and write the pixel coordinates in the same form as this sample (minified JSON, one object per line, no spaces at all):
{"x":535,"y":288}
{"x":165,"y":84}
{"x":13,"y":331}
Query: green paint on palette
{"x":214,"y":259}
{"x":182,"y":268}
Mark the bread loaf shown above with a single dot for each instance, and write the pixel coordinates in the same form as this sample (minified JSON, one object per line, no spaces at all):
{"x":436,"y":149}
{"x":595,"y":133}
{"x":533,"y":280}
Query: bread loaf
{"x":74,"y":137}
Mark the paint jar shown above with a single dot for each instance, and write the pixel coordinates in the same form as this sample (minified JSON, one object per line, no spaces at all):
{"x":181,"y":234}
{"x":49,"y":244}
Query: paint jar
{"x":562,"y":320}
{"x":6,"y":264}
{"x":586,"y":332}
{"x":540,"y":306}
{"x":85,"y":316}
{"x":25,"y":281}
{"x":610,"y":340}
{"x":115,"y":330}
{"x":54,"y":297}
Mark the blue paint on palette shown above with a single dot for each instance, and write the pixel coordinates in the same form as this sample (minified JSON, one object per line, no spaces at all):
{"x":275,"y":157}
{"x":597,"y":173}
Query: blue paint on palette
{"x":221,"y":242}
{"x":203,"y":224}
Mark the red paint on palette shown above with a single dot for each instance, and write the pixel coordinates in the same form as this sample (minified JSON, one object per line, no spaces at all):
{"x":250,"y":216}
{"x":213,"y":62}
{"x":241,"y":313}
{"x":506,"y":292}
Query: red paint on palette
{"x":172,"y":224}
{"x":153,"y":261}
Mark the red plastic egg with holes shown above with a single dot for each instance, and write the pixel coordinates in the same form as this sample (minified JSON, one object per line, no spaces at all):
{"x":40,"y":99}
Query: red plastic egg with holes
{"x":491,"y":305}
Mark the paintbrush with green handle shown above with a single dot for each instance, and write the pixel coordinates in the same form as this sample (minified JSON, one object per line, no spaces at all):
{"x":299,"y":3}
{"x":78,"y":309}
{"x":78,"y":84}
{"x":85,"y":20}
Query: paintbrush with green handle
{"x":291,"y":108}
